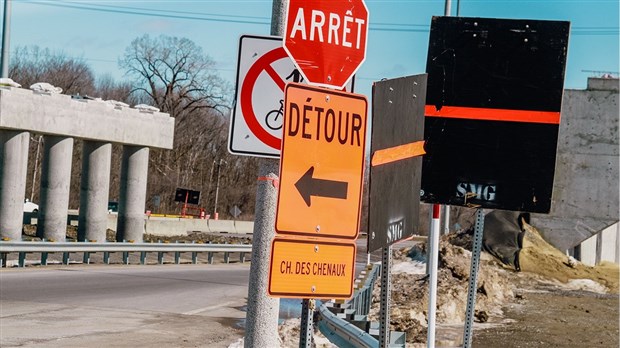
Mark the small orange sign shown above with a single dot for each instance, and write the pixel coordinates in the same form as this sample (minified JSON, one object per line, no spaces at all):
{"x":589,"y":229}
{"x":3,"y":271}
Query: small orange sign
{"x":306,"y":268}
{"x":322,"y":162}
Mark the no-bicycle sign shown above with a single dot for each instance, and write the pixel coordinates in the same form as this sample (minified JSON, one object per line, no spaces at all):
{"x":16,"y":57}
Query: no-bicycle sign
{"x":263,"y":70}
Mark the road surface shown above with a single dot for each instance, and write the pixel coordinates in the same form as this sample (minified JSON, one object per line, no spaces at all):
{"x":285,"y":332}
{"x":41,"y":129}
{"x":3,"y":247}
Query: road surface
{"x":123,"y":306}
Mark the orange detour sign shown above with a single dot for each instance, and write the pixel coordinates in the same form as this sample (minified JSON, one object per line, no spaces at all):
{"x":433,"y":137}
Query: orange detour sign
{"x":322,"y":162}
{"x":311,"y":268}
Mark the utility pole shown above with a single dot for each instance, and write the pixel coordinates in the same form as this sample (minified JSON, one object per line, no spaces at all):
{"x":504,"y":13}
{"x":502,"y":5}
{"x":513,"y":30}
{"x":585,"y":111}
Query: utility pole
{"x":217,"y":188}
{"x":261,"y":324}
{"x":36,"y":167}
{"x":6,"y":29}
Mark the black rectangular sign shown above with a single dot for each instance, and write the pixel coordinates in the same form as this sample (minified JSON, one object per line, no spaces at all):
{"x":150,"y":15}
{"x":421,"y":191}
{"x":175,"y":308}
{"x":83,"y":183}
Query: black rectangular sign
{"x":396,"y":162}
{"x":493,"y":112}
{"x":187,"y":196}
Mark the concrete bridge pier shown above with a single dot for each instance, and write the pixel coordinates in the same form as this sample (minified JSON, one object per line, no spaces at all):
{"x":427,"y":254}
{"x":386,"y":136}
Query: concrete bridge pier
{"x":55,"y":184}
{"x":132,"y":198}
{"x":13,"y":170}
{"x":94,"y":191}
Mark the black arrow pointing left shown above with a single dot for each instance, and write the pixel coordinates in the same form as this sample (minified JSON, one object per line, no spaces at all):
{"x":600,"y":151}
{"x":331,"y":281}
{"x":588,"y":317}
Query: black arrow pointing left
{"x":309,"y":186}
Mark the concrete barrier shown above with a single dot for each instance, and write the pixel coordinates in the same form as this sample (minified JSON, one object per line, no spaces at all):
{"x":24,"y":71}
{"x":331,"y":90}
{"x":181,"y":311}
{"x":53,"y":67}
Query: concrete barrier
{"x":245,"y":227}
{"x":165,"y":226}
{"x":223,"y":226}
{"x":603,"y":246}
{"x":176,"y":227}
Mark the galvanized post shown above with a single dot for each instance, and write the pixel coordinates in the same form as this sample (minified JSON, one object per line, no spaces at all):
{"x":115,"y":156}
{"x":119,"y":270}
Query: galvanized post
{"x":305,"y":334}
{"x":6,"y":29}
{"x":194,"y":258}
{"x":22,"y":259}
{"x":384,"y":311}
{"x":226,"y":257}
{"x":86,"y":259}
{"x":160,"y":257}
{"x":106,"y":257}
{"x":65,"y":258}
{"x":143,"y":257}
{"x":473,"y":278}
{"x":210,"y":257}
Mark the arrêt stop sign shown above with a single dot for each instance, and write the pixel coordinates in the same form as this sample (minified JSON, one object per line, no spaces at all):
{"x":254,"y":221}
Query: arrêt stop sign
{"x":327,"y":39}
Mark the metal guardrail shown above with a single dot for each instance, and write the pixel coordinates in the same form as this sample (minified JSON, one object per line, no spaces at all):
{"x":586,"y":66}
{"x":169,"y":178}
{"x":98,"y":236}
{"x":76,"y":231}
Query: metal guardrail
{"x":349,"y":333}
{"x":87,"y":248}
{"x":358,"y":306}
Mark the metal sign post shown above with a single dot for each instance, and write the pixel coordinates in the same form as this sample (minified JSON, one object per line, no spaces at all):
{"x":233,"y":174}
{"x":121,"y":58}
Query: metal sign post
{"x":307,"y":324}
{"x":433,"y":258}
{"x":384,"y":312}
{"x":473,"y":278}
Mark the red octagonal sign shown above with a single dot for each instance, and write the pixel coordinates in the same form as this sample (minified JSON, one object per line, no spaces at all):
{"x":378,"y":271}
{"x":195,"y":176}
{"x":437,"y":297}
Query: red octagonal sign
{"x":327,"y":39}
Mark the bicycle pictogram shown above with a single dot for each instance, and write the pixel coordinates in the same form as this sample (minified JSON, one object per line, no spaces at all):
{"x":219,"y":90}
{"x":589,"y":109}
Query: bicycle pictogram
{"x":273,"y":119}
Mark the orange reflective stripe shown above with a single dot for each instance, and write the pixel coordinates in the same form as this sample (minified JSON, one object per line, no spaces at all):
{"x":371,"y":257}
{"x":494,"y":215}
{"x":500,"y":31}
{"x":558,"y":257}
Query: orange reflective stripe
{"x":397,"y":153}
{"x":529,"y":116}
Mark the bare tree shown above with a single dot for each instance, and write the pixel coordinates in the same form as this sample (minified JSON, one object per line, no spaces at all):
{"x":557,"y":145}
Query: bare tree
{"x":108,"y":89}
{"x":31,"y":64}
{"x":176,"y":75}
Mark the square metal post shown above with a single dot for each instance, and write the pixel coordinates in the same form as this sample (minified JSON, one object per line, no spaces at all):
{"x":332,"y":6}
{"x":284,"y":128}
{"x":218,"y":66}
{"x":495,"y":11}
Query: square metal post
{"x":384,"y":312}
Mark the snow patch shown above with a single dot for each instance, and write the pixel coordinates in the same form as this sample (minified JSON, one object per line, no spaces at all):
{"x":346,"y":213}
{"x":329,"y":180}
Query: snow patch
{"x":409,"y":267}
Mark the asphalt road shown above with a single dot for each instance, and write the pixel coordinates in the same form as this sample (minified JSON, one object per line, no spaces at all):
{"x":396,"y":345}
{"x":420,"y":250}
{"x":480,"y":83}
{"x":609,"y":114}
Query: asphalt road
{"x":78,"y":306}
{"x":130,"y":305}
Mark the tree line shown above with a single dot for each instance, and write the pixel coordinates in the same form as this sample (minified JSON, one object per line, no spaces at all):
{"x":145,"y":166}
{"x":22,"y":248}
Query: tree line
{"x":176,"y":76}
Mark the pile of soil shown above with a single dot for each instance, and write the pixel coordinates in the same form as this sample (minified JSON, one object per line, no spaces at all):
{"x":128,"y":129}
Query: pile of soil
{"x":545,"y":270}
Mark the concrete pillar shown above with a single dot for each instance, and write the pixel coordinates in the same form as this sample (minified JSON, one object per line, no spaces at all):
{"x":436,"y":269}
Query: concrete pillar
{"x":55,"y":184}
{"x":132,"y":200}
{"x":13,"y":170}
{"x":94,"y":191}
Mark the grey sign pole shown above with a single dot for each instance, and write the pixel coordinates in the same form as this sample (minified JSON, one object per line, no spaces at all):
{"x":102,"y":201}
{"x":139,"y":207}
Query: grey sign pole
{"x":384,"y":311}
{"x":307,"y":324}
{"x":473,"y":278}
{"x":262,"y":313}
{"x":6,"y":34}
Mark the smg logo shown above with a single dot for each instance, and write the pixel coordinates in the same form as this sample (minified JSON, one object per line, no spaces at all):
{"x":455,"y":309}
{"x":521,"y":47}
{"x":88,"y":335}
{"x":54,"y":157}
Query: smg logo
{"x":483,"y":192}
{"x":395,"y":230}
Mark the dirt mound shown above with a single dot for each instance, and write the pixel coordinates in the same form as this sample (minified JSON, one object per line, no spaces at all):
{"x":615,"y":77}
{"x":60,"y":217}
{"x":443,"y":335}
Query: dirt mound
{"x":541,"y":258}
{"x":410,"y":292}
{"x":498,"y":284}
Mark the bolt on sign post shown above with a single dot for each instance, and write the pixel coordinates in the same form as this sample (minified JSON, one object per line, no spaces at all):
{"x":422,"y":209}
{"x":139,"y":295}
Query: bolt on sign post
{"x":327,"y":39}
{"x":319,"y":201}
{"x":493,"y":112}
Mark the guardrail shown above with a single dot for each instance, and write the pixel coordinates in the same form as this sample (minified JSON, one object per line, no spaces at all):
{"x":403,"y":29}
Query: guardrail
{"x":346,"y":322}
{"x":348,"y":319}
{"x":87,"y":248}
